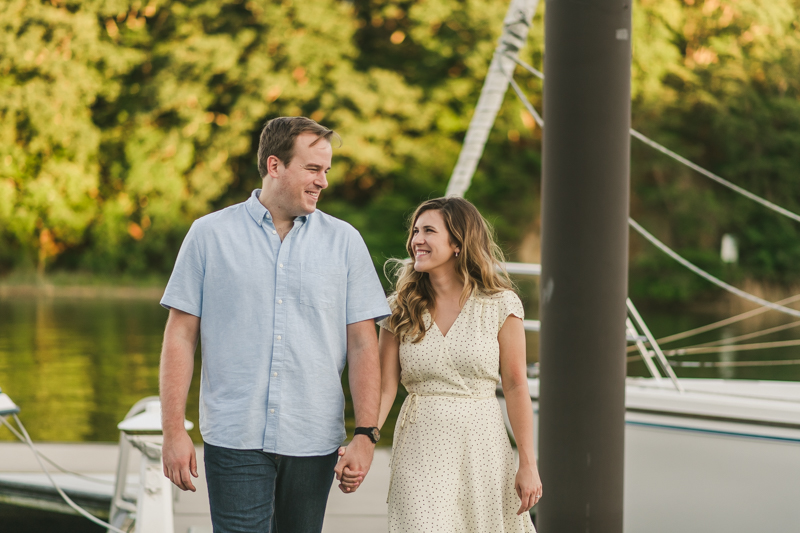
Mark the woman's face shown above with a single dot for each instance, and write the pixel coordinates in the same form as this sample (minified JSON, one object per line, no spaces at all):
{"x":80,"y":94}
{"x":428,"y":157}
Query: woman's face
{"x":431,"y":244}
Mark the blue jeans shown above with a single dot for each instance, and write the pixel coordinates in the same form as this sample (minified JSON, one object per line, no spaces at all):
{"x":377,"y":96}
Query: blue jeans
{"x":251,"y":491}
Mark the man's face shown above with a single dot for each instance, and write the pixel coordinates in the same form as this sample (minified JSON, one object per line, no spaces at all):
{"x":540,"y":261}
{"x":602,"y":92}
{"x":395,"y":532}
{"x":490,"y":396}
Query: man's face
{"x":302,"y":181}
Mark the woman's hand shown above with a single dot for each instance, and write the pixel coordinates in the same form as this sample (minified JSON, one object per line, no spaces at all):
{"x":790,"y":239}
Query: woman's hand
{"x":528,"y":487}
{"x":350,"y":480}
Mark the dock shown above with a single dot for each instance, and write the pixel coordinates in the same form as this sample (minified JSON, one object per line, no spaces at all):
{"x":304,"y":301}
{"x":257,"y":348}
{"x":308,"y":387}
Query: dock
{"x":22,"y":483}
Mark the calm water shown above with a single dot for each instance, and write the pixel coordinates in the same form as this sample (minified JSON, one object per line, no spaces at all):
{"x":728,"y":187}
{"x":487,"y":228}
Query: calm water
{"x":75,"y":366}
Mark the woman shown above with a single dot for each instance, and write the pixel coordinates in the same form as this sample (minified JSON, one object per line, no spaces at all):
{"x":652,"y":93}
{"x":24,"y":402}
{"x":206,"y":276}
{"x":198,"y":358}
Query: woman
{"x":455,"y":329}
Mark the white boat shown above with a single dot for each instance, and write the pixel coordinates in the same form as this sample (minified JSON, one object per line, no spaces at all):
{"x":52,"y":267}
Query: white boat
{"x":722,"y":456}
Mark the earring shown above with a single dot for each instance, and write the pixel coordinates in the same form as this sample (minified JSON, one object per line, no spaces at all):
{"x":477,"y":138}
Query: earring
{"x":456,"y":254}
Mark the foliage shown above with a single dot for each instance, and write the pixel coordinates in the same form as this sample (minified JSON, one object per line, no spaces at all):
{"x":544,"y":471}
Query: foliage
{"x":123,"y":120}
{"x":718,"y":82}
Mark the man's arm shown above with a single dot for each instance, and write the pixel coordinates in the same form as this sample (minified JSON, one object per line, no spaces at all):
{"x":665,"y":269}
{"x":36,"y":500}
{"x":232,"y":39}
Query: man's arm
{"x":365,"y":388}
{"x":389,"y":350}
{"x":175,"y":376}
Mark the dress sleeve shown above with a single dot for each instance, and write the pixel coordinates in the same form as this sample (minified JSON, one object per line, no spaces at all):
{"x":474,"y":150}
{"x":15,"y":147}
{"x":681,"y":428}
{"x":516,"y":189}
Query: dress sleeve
{"x":392,"y":301}
{"x":509,"y":304}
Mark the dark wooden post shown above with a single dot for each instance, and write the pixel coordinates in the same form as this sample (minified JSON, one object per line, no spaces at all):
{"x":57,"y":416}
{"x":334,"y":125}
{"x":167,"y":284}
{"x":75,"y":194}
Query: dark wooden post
{"x":584,"y":264}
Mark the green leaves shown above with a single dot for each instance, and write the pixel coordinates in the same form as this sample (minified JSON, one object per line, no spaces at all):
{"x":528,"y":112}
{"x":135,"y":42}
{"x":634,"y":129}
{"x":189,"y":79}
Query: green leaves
{"x":719,"y":82}
{"x":122,"y":121}
{"x":54,"y":67}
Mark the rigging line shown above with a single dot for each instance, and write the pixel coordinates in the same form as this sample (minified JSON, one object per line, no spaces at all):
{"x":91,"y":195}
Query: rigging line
{"x":60,"y":468}
{"x":734,"y":363}
{"x":80,"y":510}
{"x":765,"y":304}
{"x":526,"y":66}
{"x":731,"y":347}
{"x":702,"y":273}
{"x":696,"y":364}
{"x":725,"y":322}
{"x":694,"y":166}
{"x":729,"y":341}
{"x":718,"y":179}
{"x":539,"y":120}
{"x":516,"y":25}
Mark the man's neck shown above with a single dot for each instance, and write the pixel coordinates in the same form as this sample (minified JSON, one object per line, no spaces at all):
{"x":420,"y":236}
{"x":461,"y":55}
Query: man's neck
{"x":283,"y":223}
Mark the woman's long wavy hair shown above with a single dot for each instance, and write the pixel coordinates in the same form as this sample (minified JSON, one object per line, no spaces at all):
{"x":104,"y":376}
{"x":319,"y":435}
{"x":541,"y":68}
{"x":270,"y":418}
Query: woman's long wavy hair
{"x":479,"y":264}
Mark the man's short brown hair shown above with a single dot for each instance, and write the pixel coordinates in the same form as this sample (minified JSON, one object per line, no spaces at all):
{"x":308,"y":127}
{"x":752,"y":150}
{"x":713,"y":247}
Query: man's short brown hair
{"x":279,"y":134}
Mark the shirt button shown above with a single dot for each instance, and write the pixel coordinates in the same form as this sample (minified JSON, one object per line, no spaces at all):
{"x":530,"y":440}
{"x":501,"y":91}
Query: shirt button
{"x":281,"y":265}
{"x":279,"y":337}
{"x":280,"y":301}
{"x":274,"y":374}
{"x":272,"y":410}
{"x":274,"y":232}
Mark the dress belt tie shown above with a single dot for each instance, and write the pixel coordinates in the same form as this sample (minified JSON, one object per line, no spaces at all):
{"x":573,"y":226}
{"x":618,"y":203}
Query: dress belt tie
{"x":409,"y":415}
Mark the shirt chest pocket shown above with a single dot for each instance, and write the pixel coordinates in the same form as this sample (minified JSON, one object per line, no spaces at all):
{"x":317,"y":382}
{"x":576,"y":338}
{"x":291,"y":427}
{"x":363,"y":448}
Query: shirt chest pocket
{"x":321,"y":287}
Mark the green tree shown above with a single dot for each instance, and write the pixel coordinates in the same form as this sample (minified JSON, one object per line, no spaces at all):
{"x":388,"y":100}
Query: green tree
{"x":55,"y":66}
{"x":122,"y":121}
{"x":720,"y":83}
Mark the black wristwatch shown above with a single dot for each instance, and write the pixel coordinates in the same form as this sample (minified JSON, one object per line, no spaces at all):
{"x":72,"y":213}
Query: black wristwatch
{"x":373,"y":434}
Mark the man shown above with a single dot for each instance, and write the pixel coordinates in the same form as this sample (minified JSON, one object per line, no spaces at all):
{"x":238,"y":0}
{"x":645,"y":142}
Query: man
{"x":281,"y":294}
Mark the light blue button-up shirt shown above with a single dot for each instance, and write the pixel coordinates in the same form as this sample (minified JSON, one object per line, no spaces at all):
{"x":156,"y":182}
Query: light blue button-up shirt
{"x":273,"y":324}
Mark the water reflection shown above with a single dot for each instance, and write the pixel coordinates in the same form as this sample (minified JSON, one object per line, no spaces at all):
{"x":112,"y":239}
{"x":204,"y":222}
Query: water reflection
{"x":75,"y":367}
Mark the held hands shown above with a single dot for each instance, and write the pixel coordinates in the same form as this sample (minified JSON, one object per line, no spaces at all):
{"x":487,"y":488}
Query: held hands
{"x":354,"y":463}
{"x":528,"y":487}
{"x":179,"y":459}
{"x":350,"y":480}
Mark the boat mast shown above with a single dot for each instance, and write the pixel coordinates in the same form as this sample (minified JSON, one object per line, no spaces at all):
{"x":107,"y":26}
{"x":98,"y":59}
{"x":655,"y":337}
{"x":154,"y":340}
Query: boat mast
{"x":515,"y":33}
{"x":585,"y":191}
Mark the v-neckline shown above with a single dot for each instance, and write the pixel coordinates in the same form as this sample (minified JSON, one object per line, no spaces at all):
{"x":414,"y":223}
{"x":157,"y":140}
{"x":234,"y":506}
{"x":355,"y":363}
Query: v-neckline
{"x":444,"y":335}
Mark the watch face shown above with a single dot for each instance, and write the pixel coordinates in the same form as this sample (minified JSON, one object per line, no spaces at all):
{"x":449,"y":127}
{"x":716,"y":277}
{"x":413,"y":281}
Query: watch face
{"x":376,"y":435}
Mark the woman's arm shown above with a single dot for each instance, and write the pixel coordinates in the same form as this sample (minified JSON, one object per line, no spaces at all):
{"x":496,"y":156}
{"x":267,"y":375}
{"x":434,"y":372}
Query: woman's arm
{"x":520,"y":412}
{"x":389,"y":350}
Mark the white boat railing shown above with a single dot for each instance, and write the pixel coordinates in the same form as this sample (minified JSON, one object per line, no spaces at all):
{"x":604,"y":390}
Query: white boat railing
{"x":123,"y":509}
{"x":647,"y":354}
{"x":524,"y":269}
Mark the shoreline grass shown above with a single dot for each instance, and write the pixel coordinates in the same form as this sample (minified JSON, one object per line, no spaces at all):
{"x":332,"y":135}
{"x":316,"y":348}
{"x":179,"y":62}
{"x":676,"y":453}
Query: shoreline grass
{"x":82,"y":285}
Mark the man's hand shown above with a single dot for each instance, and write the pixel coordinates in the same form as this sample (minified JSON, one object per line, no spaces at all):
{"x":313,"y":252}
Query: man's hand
{"x":353,"y":465}
{"x":350,"y":480}
{"x":179,"y":459}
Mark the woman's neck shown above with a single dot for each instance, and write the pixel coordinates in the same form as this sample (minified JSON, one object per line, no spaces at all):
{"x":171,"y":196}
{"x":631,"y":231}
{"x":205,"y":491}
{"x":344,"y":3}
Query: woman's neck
{"x":446,"y":285}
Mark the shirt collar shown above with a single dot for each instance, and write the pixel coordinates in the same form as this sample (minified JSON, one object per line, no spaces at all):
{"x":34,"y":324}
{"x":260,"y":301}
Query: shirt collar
{"x":259,"y":212}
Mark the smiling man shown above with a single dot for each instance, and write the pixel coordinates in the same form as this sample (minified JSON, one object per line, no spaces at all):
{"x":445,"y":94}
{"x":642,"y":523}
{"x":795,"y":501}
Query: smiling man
{"x":282,"y":295}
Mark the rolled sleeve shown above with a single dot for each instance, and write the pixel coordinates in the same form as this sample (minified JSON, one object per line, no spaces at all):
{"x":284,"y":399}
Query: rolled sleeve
{"x":185,"y":287}
{"x":365,"y":297}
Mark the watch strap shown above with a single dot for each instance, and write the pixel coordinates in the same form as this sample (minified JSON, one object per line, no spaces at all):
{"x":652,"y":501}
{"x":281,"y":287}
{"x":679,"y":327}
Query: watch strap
{"x":371,"y":432}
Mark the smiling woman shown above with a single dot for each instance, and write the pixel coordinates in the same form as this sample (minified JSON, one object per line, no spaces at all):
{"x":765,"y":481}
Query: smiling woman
{"x":455,"y":329}
{"x":446,"y":235}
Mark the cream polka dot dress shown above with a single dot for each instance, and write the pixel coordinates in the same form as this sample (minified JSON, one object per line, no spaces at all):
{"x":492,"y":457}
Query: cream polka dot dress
{"x":452,"y":464}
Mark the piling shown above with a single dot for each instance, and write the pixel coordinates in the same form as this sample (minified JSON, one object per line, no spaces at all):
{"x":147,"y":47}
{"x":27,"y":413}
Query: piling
{"x":585,"y":192}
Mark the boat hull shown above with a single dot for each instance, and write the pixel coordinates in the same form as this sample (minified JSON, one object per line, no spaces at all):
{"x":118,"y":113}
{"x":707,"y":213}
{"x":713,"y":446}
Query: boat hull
{"x":723,"y":457}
